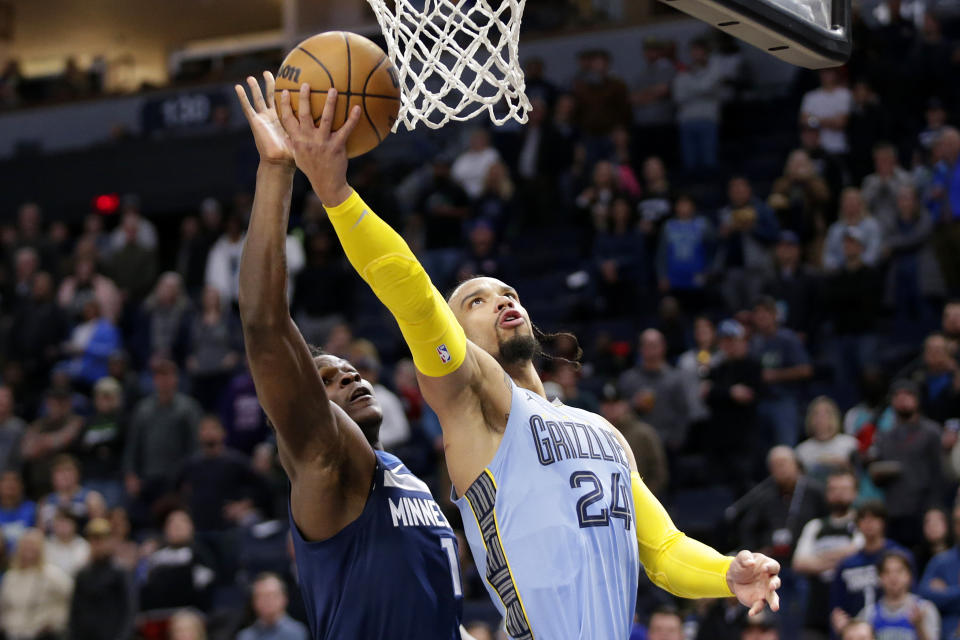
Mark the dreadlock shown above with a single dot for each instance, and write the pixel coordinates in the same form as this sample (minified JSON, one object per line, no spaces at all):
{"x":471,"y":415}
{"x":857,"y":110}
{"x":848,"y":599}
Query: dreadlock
{"x":549,"y":339}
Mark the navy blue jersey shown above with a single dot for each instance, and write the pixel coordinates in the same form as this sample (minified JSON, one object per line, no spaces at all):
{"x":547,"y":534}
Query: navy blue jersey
{"x":391,"y":573}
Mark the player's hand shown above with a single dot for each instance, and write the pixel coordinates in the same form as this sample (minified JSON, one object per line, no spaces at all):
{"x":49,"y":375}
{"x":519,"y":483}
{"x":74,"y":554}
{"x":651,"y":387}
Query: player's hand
{"x":320,"y":152}
{"x":752,"y":577}
{"x":272,"y":141}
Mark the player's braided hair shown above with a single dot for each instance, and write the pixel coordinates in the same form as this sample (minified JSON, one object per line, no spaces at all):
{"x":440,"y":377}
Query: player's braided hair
{"x":547,"y":339}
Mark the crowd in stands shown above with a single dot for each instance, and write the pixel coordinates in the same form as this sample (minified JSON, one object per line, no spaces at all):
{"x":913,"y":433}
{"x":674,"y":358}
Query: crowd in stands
{"x":785,"y":343}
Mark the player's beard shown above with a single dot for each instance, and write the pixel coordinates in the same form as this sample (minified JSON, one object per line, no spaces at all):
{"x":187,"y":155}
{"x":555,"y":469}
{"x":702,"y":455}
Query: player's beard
{"x":518,"y":349}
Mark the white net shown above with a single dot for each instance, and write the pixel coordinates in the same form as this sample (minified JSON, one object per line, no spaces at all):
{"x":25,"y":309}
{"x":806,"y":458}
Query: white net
{"x":455,"y":59}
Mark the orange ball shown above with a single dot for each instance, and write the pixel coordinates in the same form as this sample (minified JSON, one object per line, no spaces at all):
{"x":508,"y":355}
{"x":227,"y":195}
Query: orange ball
{"x":361,"y":73}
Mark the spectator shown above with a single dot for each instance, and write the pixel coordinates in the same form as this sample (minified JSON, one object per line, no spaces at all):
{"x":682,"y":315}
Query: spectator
{"x":90,"y":345}
{"x":697,"y":96}
{"x":17,"y":514}
{"x":30,"y":235}
{"x":471,"y":167}
{"x":595,"y":201}
{"x":853,"y":215}
{"x":177,"y":574}
{"x":786,"y":366}
{"x":395,"y":429}
{"x":102,"y":607}
{"x":11,"y":432}
{"x":914,"y":284}
{"x":619,"y":257}
{"x":943,"y":200}
{"x":827,"y":449}
{"x":938,"y":377}
{"x":824,"y":543}
{"x":656,"y":203}
{"x":133,"y":265}
{"x":950,"y":326}
{"x":731,"y":395}
{"x":270,"y":607}
{"x":165,"y":322}
{"x":935,"y":121}
{"x":748,"y":227}
{"x":940,"y":583}
{"x":483,"y":254}
{"x":146,"y":232}
{"x":196,"y":238}
{"x":67,"y":493}
{"x":213,"y":477}
{"x":443,"y":206}
{"x":26,"y":265}
{"x":95,"y":236}
{"x":48,"y":436}
{"x":324,"y":289}
{"x":163,"y":432}
{"x":39,"y":327}
{"x":683,"y":257}
{"x":696,"y":363}
{"x":857,"y":630}
{"x":881,"y":189}
{"x":223,"y":261}
{"x":795,"y":287}
{"x":936,"y":537}
{"x":100,"y":446}
{"x":496,"y":203}
{"x":829,"y":107}
{"x":35,"y":595}
{"x":542,"y":155}
{"x":907,"y":464}
{"x":800,"y":198}
{"x":898,"y":613}
{"x":657,"y":392}
{"x":643,"y":439}
{"x":664,"y":623}
{"x":602,"y":101}
{"x":241,"y":414}
{"x":652,"y":107}
{"x":64,"y":548}
{"x":215,"y":349}
{"x":857,"y":583}
{"x":868,"y":123}
{"x":85,"y":283}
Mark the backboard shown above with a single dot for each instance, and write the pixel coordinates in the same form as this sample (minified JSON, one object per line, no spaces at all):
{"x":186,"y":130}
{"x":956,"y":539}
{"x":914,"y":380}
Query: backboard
{"x":808,"y":33}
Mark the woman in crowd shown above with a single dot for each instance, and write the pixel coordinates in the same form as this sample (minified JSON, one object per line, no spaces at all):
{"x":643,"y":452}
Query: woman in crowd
{"x":827,"y":448}
{"x":35,"y":595}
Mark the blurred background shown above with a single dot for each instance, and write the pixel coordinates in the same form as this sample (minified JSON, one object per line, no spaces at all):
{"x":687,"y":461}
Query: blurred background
{"x":761,"y":264}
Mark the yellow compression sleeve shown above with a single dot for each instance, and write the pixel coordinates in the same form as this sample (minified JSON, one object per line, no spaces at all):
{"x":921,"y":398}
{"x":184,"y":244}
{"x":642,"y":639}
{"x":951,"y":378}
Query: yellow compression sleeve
{"x":674,"y":562}
{"x":385,"y":262}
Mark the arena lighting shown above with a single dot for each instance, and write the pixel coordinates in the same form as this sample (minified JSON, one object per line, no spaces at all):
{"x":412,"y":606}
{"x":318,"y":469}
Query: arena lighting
{"x":106,"y":203}
{"x":808,"y":33}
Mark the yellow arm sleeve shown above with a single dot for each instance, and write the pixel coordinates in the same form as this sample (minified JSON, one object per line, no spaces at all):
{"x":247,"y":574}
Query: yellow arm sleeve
{"x":674,"y":562}
{"x":385,"y":262}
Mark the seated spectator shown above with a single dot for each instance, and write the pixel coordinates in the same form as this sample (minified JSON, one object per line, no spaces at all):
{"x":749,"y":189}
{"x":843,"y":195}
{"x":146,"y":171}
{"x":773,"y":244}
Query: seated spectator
{"x":17,"y":514}
{"x":786,"y":366}
{"x":177,"y":574}
{"x":67,"y":494}
{"x":747,"y":228}
{"x":471,"y":167}
{"x":829,"y":107}
{"x":824,"y":544}
{"x":656,"y":391}
{"x":796,"y":288}
{"x":101,"y":607}
{"x":90,"y":345}
{"x":64,"y":548}
{"x":907,"y":464}
{"x":619,"y":257}
{"x":643,"y":439}
{"x":800,"y":198}
{"x":936,"y":537}
{"x":11,"y":432}
{"x":914,"y":284}
{"x":881,"y":189}
{"x":35,"y":595}
{"x":85,"y":283}
{"x":164,"y":325}
{"x":827,"y":449}
{"x":683,"y":256}
{"x":270,"y":606}
{"x":48,"y":436}
{"x":163,"y":433}
{"x":899,"y":614}
{"x":853,"y":215}
{"x":857,"y":584}
{"x":215,"y":349}
{"x":100,"y":446}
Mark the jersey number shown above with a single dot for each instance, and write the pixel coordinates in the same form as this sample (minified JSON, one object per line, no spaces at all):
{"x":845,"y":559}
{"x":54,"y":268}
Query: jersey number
{"x":448,"y":546}
{"x":619,"y":506}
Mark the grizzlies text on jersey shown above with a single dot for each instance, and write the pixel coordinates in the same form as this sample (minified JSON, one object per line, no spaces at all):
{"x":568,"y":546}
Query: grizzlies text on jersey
{"x":393,"y":573}
{"x":550,"y":525}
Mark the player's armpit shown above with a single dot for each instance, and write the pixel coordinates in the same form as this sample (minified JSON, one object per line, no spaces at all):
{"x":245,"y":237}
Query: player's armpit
{"x":674,"y":562}
{"x":387,"y":264}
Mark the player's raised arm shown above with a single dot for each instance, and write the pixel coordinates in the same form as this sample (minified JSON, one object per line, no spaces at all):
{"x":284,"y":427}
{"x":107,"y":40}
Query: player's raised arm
{"x":329,"y":462}
{"x":437,"y":342}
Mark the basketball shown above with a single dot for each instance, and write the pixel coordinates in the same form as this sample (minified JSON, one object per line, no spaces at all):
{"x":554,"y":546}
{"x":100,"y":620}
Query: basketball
{"x":360,"y":72}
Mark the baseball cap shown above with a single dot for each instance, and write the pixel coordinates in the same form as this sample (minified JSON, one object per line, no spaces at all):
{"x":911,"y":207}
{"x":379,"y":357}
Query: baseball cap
{"x":731,"y":329}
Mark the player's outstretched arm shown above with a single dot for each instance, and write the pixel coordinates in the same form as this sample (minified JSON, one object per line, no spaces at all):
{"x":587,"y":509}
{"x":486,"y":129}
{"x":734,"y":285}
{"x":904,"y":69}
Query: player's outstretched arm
{"x":437,"y":342}
{"x":329,"y":462}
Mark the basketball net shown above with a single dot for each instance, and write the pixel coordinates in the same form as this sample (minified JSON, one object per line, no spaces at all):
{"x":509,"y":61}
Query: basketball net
{"x":455,"y":59}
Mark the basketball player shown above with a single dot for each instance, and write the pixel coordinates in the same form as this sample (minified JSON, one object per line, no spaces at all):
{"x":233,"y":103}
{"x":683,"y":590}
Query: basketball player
{"x":376,"y":557}
{"x":554,"y":508}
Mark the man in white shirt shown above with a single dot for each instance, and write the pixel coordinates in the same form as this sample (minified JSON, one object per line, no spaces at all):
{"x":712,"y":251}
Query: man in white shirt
{"x":829,"y":106}
{"x":471,"y":167}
